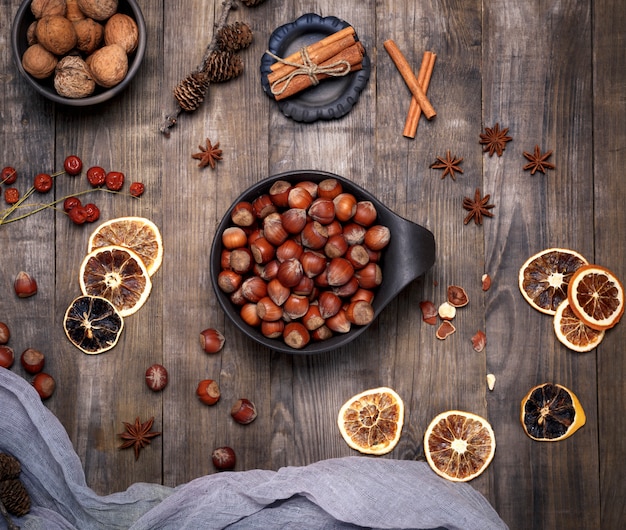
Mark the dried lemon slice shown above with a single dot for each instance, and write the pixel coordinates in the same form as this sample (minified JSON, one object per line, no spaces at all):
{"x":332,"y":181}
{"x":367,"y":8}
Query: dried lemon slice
{"x":544,"y":277}
{"x":117,"y":274}
{"x":371,"y":422}
{"x":93,"y":324}
{"x":459,"y":445}
{"x":136,"y":233}
{"x":573,"y":332}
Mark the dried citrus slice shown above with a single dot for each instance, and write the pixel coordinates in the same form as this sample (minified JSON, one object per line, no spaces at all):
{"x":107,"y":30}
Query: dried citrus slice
{"x":93,"y":324}
{"x":573,"y":332}
{"x":136,"y":233}
{"x":551,"y":412}
{"x":459,"y":445}
{"x":117,"y":274}
{"x":544,"y":277}
{"x":596,"y":296}
{"x":371,"y":422}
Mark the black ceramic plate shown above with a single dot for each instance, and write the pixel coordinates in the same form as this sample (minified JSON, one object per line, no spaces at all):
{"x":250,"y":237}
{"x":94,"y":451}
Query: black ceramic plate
{"x":332,"y":98}
{"x":410,"y":253}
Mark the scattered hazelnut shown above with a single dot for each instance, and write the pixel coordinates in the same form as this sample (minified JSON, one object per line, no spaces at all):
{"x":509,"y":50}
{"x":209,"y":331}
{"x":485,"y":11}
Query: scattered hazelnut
{"x":5,"y":333}
{"x":6,"y":356}
{"x":42,"y":8}
{"x":156,"y":377}
{"x":445,"y":330}
{"x":211,"y":340}
{"x":429,"y":312}
{"x":56,"y":33}
{"x":24,"y":285}
{"x":108,"y":65}
{"x":243,"y":411}
{"x":39,"y":62}
{"x":72,"y":78}
{"x":457,"y":296}
{"x":208,"y":391}
{"x":122,"y":29}
{"x":89,"y":34}
{"x":486,"y":282}
{"x":491,"y":381}
{"x":98,"y":9}
{"x":44,"y":385}
{"x":32,"y":360}
{"x":447,"y":311}
{"x":479,"y":341}
{"x":223,"y":458}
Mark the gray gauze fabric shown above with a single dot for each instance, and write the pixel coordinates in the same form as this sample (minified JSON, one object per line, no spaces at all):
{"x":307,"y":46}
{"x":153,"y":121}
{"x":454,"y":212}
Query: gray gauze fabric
{"x":341,"y":493}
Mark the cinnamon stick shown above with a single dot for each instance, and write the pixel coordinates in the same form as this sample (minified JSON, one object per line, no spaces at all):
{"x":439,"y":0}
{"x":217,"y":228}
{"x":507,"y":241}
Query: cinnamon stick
{"x":334,"y":37}
{"x":423,"y":78}
{"x":353,"y":55}
{"x":317,"y":56}
{"x":409,"y":78}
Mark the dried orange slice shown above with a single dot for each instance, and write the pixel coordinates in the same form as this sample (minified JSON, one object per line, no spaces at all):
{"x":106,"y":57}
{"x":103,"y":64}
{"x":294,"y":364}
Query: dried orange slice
{"x":544,"y":277}
{"x":136,"y":233}
{"x":117,"y":274}
{"x":596,"y":296}
{"x":371,"y":422}
{"x":459,"y":445}
{"x":573,"y":332}
{"x":93,"y":324}
{"x":551,"y":412}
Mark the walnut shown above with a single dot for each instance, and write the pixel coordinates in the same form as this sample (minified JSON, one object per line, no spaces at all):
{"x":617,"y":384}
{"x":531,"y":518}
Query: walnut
{"x":98,"y":9}
{"x":72,"y":78}
{"x":56,"y":34}
{"x":89,"y":34}
{"x":31,"y":38}
{"x":38,"y":61}
{"x":122,"y":29}
{"x":42,"y":8}
{"x":108,"y":65}
{"x":73,"y":12}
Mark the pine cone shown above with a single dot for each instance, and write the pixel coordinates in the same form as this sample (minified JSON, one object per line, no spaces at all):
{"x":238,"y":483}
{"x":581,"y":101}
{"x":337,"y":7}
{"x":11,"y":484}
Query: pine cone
{"x":15,"y":497}
{"x":9,"y":467}
{"x":190,"y":91}
{"x":234,"y":37}
{"x":223,"y":66}
{"x":252,"y":3}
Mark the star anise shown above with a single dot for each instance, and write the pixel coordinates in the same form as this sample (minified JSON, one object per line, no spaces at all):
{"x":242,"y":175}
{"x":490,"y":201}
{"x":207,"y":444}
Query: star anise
{"x":208,"y":155}
{"x":478,"y":208}
{"x":495,"y":139}
{"x":449,"y":165}
{"x":538,"y":162}
{"x":137,"y":435}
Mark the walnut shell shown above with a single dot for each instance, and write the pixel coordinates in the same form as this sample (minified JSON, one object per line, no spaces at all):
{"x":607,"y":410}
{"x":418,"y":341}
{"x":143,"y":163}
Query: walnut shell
{"x":98,"y":9}
{"x":31,"y":38}
{"x":56,"y":34}
{"x":73,"y":12}
{"x":38,"y":61}
{"x":72,"y":78}
{"x":122,"y":29}
{"x":43,"y":8}
{"x":89,"y":35}
{"x":108,"y":65}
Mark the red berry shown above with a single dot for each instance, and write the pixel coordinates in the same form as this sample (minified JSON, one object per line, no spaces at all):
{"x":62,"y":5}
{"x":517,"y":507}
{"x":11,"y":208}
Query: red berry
{"x":8,"y":175}
{"x":93,"y":212}
{"x":43,"y":182}
{"x":78,"y":215}
{"x":71,"y":202}
{"x":11,"y":195}
{"x":73,"y":165}
{"x":137,"y":189}
{"x":96,"y":176}
{"x":114,"y":180}
{"x":223,"y":458}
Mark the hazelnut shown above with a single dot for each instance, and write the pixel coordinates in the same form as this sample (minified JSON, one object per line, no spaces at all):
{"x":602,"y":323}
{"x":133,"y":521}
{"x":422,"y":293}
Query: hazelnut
{"x":223,"y":458}
{"x":42,"y":8}
{"x":89,"y":35}
{"x":24,"y":285}
{"x":39,"y":62}
{"x":5,"y":333}
{"x":56,"y":33}
{"x":156,"y":377}
{"x":446,"y":311}
{"x":122,"y":29}
{"x":108,"y":65}
{"x":98,"y":9}
{"x":211,"y":340}
{"x":6,"y":357}
{"x":44,"y":385}
{"x":73,"y":12}
{"x":72,"y":78}
{"x":208,"y":391}
{"x":243,"y":411}
{"x":32,"y":360}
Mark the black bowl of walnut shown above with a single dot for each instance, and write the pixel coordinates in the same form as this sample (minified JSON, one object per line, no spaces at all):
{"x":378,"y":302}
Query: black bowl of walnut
{"x":308,"y":271}
{"x":78,"y":53}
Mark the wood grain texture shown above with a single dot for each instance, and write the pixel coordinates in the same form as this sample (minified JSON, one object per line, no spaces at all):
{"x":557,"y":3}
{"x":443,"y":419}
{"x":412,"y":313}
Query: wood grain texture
{"x":552,"y":72}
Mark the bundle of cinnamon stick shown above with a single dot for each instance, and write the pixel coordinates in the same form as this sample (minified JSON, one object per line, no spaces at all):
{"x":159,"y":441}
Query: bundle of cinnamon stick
{"x":336,"y":55}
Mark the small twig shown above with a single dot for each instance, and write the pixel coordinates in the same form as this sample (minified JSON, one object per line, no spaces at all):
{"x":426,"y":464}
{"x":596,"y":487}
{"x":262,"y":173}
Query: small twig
{"x":10,"y":524}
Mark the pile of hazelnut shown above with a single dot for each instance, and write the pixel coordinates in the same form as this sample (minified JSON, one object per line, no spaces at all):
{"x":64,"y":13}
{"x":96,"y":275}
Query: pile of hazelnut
{"x":81,"y":43}
{"x":301,"y":262}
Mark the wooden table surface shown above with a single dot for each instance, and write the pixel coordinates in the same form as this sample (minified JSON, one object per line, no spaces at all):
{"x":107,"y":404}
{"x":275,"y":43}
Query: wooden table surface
{"x":554,"y":73}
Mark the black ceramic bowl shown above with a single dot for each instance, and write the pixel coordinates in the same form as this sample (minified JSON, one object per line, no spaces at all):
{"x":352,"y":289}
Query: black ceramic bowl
{"x":23,"y":19}
{"x":410,"y":253}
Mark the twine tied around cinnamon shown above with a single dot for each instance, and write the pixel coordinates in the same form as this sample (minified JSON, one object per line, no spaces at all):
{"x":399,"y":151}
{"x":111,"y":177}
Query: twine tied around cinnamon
{"x":308,"y":68}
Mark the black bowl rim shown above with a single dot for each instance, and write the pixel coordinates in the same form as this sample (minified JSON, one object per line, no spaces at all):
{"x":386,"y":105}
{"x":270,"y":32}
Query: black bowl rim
{"x":17,"y":44}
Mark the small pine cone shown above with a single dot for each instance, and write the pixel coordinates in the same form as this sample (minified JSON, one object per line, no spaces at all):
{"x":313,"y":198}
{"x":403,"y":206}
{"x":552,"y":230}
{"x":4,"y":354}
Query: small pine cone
{"x":223,"y":66}
{"x":234,"y":37}
{"x":190,"y":91}
{"x":252,"y":3}
{"x":15,"y":497}
{"x":9,"y":467}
